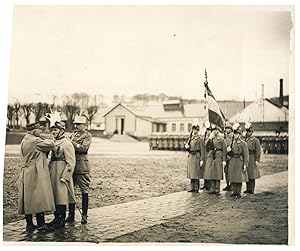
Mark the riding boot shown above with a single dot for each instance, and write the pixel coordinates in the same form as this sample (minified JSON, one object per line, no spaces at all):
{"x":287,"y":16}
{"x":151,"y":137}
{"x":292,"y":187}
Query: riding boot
{"x":40,"y":219}
{"x":29,"y":223}
{"x":71,"y":216}
{"x":85,"y":206}
{"x":61,"y":213}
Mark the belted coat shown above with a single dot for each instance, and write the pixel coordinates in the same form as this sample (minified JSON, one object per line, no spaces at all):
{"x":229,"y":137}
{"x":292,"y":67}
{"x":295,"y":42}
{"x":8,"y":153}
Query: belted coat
{"x":254,"y":155}
{"x":240,"y":158}
{"x":35,"y":190}
{"x":216,"y":154}
{"x":196,"y":154}
{"x":62,"y":165}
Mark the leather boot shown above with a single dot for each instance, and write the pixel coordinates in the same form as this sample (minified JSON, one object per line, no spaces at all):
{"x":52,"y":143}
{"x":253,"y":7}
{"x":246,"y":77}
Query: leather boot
{"x":71,"y":216}
{"x":40,"y":218}
{"x":85,"y":206}
{"x":61,"y":216}
{"x":29,"y":223}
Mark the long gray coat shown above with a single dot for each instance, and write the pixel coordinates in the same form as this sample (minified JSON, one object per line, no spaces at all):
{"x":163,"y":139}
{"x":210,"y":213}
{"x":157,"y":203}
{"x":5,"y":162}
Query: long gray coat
{"x":254,"y":155}
{"x":35,"y":190}
{"x":214,"y":167}
{"x":194,"y":171}
{"x":236,"y":163}
{"x":62,"y":165}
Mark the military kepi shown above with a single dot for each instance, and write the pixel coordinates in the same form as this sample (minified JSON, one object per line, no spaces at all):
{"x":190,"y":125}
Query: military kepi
{"x":32,"y":126}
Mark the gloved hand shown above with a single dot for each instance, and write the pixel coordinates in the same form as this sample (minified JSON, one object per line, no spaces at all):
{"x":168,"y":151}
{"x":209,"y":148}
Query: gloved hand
{"x":224,"y":163}
{"x":244,"y":168}
{"x":201,"y":163}
{"x":228,"y":149}
{"x":187,"y":146}
{"x":256,"y":163}
{"x":63,"y":180}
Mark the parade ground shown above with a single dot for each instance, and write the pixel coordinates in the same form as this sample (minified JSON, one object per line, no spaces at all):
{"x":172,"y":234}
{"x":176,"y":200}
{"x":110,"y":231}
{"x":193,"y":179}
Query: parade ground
{"x":140,"y":196}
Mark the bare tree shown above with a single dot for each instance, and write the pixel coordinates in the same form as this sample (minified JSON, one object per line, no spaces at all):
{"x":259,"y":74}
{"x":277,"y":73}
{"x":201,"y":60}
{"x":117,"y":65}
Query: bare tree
{"x":39,"y":110}
{"x":17,"y":108}
{"x":91,"y":111}
{"x":27,"y":109}
{"x":10,"y":113}
{"x":71,"y":110}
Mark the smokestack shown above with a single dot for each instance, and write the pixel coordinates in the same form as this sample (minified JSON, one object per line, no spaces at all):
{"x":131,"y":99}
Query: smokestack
{"x":281,"y":91}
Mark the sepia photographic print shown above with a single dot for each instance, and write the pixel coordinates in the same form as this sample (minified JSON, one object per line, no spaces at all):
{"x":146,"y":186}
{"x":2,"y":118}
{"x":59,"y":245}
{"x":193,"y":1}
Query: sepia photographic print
{"x":150,"y":124}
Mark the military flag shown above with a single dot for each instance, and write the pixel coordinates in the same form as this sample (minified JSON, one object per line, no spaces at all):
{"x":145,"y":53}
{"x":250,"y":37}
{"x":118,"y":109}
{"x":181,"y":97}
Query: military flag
{"x":215,"y":114}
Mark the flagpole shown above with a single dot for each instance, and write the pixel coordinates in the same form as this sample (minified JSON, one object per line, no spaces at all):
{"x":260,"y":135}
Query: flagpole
{"x":205,"y":96}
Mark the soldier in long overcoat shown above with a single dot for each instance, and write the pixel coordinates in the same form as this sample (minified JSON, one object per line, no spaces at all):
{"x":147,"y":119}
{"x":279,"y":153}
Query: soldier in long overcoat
{"x":196,"y":150}
{"x":228,"y":139}
{"x":35,"y":190}
{"x":61,"y":168}
{"x":215,"y":161}
{"x":237,"y":170}
{"x":254,"y":158}
{"x":81,"y":140}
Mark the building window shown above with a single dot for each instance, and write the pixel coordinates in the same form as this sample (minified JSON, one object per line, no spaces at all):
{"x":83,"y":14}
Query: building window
{"x":164,"y":128}
{"x":181,"y":127}
{"x":173,"y":127}
{"x":189,"y":127}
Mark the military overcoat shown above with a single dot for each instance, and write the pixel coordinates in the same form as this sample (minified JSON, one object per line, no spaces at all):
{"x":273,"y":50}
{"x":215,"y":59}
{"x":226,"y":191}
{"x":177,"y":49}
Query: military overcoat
{"x":254,"y":148}
{"x":196,"y":154}
{"x":35,"y":190}
{"x":216,"y":154}
{"x":236,"y":163}
{"x":62,"y":165}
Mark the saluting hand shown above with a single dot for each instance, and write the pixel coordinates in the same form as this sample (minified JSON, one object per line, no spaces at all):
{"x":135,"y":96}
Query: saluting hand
{"x":187,"y":146}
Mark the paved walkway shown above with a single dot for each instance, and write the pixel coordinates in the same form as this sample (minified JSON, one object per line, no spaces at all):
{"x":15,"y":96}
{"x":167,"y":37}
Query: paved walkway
{"x":108,"y":222}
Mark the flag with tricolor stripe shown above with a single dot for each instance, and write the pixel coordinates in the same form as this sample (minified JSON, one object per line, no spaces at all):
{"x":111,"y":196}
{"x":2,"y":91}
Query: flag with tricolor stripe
{"x":215,"y":114}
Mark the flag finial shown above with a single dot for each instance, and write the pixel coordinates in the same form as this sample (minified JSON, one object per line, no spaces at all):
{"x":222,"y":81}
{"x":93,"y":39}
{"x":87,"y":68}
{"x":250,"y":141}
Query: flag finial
{"x":206,"y":82}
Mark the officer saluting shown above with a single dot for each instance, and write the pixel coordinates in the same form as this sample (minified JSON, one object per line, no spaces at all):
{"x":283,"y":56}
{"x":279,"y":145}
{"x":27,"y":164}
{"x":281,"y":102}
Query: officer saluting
{"x":35,"y":190}
{"x":81,"y":140}
{"x":254,"y":158}
{"x":238,"y":163}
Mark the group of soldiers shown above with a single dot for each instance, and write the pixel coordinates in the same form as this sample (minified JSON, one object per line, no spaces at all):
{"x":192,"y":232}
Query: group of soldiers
{"x":51,"y":165}
{"x":235,"y":152}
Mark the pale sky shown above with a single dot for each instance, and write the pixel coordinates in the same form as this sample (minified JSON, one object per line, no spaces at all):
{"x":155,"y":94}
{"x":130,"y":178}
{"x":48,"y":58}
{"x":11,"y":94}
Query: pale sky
{"x":130,"y":50}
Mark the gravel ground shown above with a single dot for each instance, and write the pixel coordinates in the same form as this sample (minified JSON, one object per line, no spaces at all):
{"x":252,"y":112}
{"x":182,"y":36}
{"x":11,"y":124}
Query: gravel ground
{"x":118,"y":179}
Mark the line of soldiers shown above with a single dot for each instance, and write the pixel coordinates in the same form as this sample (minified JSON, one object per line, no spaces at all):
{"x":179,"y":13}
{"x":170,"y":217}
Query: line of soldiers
{"x":216,"y":152}
{"x":49,"y":187}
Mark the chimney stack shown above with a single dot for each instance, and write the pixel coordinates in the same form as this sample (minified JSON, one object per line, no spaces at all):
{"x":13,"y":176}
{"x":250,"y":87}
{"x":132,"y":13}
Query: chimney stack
{"x":281,"y":91}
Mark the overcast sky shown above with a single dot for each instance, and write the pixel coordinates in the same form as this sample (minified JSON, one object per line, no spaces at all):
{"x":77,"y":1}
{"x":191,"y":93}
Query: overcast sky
{"x":129,"y":50}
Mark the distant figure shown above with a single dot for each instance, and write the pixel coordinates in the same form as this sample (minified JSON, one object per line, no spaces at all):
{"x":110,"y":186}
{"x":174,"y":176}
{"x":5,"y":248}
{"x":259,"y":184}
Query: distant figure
{"x":35,"y":190}
{"x":237,"y":170}
{"x":229,"y":140}
{"x":215,"y":160}
{"x":196,"y":150}
{"x":81,"y":140}
{"x":254,"y":158}
{"x":61,"y":167}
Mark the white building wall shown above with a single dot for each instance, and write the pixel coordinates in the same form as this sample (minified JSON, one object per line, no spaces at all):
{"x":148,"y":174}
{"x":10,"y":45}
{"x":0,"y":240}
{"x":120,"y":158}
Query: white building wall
{"x":143,"y":128}
{"x":120,"y":112}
